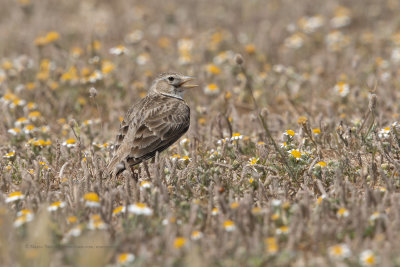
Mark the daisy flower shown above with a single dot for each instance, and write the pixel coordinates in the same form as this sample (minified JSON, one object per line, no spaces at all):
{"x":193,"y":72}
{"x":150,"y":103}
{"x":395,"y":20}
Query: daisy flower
{"x":272,"y":245}
{"x":91,"y":200}
{"x":342,"y":89}
{"x":236,"y":136}
{"x":140,"y":209}
{"x":294,"y":41}
{"x":134,"y":37}
{"x":96,"y":223}
{"x":384,"y":133}
{"x":145,"y":185}
{"x":14,"y":196}
{"x":196,"y":235}
{"x":211,"y":89}
{"x":119,"y":210}
{"x":118,"y":50}
{"x":179,"y":242}
{"x":342,"y":213}
{"x":125,"y":258}
{"x":9,"y":155}
{"x":229,"y":226}
{"x":56,"y":205}
{"x":215,"y":211}
{"x":282,"y":230}
{"x":69,"y":143}
{"x":24,"y":216}
{"x":368,"y":258}
{"x":339,"y":252}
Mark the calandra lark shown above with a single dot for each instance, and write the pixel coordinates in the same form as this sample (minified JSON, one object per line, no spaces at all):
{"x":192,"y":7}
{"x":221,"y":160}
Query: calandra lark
{"x":152,"y":124}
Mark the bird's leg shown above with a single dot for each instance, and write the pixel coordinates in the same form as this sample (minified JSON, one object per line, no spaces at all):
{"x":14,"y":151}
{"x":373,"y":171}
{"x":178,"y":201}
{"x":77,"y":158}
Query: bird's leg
{"x":146,"y":168}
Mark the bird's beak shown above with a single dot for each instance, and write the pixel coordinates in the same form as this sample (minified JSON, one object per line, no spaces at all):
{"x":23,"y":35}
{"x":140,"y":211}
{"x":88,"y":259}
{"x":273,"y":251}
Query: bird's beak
{"x":184,"y":84}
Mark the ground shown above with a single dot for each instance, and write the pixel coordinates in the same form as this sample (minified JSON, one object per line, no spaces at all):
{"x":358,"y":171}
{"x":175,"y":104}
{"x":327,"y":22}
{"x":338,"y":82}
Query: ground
{"x":291,"y":159}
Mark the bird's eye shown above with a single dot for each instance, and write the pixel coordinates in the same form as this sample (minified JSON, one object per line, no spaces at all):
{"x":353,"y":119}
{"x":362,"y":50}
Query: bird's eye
{"x":171,"y":79}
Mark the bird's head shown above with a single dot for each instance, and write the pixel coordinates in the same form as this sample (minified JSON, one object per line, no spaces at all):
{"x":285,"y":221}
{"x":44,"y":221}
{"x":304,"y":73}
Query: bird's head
{"x":171,"y":84}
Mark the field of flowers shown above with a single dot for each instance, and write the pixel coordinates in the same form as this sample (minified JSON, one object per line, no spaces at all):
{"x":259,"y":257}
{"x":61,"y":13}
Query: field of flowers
{"x":292,"y":157}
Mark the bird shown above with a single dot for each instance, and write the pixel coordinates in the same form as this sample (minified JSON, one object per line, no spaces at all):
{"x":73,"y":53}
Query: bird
{"x":152,"y":124}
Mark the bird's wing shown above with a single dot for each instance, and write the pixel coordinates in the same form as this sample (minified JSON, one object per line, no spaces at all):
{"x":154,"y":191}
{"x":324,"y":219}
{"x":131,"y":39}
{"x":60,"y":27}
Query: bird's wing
{"x":154,"y":127}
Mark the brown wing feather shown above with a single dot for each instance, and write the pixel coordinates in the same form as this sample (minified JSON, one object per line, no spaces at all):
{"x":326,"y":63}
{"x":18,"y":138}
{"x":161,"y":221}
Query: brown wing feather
{"x":153,"y":125}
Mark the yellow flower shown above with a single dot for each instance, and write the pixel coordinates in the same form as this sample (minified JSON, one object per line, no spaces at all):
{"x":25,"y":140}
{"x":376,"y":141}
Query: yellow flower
{"x":119,"y":210}
{"x":91,"y":199}
{"x":196,"y":235}
{"x":72,"y":219}
{"x":14,"y":196}
{"x":320,"y":199}
{"x":34,"y":114}
{"x":211,"y":68}
{"x":342,"y":212}
{"x":76,"y":51}
{"x":179,"y":242}
{"x":52,"y":36}
{"x":368,"y":258}
{"x":322,"y":164}
{"x":316,"y":131}
{"x":275,"y":216}
{"x":7,"y":65}
{"x":30,"y":86}
{"x":235,"y":205}
{"x":302,"y":120}
{"x":251,"y":180}
{"x":125,"y":258}
{"x":282,"y":230}
{"x":215,"y":211}
{"x":229,"y":225}
{"x":250,"y":48}
{"x":253,"y":161}
{"x":272,"y":245}
{"x":339,"y":252}
{"x":9,"y":155}
{"x":107,"y":67}
{"x":69,"y":143}
{"x":211,"y":89}
{"x":140,"y":209}
{"x":290,"y":133}
{"x":296,"y":154}
{"x":56,"y":205}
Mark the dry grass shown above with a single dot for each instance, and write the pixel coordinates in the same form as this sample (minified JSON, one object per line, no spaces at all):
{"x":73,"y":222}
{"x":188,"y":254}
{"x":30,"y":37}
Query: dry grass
{"x":311,"y":179}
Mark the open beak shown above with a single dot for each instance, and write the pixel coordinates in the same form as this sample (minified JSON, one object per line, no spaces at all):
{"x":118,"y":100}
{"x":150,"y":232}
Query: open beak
{"x":184,"y":82}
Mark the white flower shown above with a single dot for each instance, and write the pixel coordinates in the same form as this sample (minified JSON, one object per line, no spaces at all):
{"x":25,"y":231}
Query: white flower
{"x":211,"y":89}
{"x":145,"y":185}
{"x":339,"y":252}
{"x":125,"y":258}
{"x":140,"y":209}
{"x":14,"y":197}
{"x":340,"y":21}
{"x":368,"y":258}
{"x":24,"y":216}
{"x":294,"y":41}
{"x":342,"y":89}
{"x":142,"y":59}
{"x":395,"y":56}
{"x":276,"y":202}
{"x":196,"y":235}
{"x":384,"y":133}
{"x":134,"y":37}
{"x":311,"y":24}
{"x":118,"y":50}
{"x":236,"y":136}
{"x":56,"y":205}
{"x":14,"y":131}
{"x":229,"y":226}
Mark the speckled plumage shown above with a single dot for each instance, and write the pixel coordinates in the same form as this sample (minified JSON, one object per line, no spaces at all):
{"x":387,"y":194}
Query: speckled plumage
{"x":152,"y":124}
